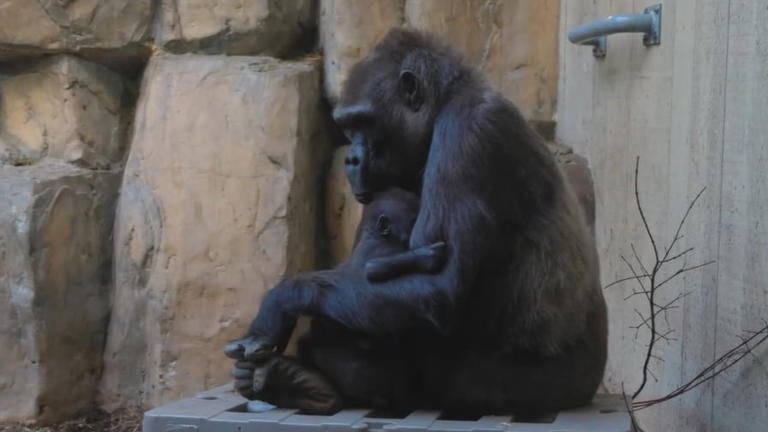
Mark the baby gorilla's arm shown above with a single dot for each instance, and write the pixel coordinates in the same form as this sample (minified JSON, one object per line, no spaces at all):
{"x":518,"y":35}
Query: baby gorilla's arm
{"x":426,"y":259}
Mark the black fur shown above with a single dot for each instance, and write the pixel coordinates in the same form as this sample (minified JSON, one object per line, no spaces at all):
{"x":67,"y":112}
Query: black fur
{"x":384,"y":231}
{"x":515,"y":321}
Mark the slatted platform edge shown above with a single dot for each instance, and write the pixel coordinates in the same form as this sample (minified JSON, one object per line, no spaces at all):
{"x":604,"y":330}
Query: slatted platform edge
{"x":222,"y":410}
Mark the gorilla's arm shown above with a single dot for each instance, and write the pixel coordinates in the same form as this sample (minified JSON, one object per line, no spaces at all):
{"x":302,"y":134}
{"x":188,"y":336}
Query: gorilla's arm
{"x":345,"y":297}
{"x":426,"y":259}
{"x":452,"y":210}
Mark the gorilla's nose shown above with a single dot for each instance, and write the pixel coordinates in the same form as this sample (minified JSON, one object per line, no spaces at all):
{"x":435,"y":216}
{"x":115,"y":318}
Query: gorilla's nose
{"x":355,"y":155}
{"x":352,"y":160}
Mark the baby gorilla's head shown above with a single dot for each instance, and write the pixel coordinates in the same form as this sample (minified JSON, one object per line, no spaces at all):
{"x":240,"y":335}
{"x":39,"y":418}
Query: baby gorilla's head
{"x":387,"y":221}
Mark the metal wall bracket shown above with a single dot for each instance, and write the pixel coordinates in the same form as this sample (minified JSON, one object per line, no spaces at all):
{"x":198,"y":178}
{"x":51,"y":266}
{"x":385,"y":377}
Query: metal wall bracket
{"x":595,"y":33}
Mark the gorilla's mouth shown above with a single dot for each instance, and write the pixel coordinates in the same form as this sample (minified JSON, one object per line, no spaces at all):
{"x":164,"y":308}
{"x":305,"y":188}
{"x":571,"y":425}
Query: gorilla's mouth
{"x":364,"y":197}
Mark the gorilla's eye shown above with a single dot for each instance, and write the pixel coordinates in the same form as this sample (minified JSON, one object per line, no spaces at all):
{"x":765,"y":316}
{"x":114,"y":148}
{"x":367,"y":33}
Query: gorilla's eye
{"x":410,"y":87}
{"x":382,"y":225}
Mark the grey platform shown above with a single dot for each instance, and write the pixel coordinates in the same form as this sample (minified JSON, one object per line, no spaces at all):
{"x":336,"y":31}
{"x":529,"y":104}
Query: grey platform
{"x":222,"y":410}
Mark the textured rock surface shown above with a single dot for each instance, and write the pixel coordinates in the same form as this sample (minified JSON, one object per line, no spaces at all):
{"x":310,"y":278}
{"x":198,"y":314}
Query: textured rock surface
{"x":219,"y":202}
{"x":36,"y":26}
{"x":235,"y":26}
{"x":55,"y":252}
{"x":348,"y":30}
{"x":61,"y":107}
{"x":513,"y":42}
{"x":342,"y":211}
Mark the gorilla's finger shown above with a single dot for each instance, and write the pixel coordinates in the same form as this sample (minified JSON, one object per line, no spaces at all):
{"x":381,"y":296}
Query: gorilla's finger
{"x":256,"y":351}
{"x":235,"y":349}
{"x":241,"y":384}
{"x":242,"y":364}
{"x":242,"y":373}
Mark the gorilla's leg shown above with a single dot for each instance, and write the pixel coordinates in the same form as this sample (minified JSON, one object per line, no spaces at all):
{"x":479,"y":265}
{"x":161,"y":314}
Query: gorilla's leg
{"x":368,"y":372}
{"x":477,"y":382}
{"x":284,"y":382}
{"x":481,"y":383}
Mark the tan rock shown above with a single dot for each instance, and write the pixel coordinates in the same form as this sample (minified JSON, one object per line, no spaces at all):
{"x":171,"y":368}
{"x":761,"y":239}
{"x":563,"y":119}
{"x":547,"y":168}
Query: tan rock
{"x":32,"y":27}
{"x":234,"y":26}
{"x":55,"y":253}
{"x":218,"y":203}
{"x":342,"y":211}
{"x":513,"y":42}
{"x":348,"y":30}
{"x":62,"y":107}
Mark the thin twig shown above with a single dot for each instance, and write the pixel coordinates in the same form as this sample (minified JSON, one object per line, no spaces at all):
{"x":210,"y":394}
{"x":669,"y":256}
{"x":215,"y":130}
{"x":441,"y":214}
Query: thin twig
{"x":625,"y":279}
{"x":723,"y":363}
{"x":648,"y":277}
{"x":683,"y":270}
{"x":640,"y":209}
{"x":652,"y":284}
{"x":630,"y":410}
{"x":682,"y":221}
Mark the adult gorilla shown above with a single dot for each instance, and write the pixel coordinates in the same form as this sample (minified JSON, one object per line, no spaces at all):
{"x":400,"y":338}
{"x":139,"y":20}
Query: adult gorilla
{"x":516,"y":320}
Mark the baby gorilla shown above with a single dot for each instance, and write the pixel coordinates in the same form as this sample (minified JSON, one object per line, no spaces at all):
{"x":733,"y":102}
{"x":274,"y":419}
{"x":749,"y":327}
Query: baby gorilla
{"x":384,"y":231}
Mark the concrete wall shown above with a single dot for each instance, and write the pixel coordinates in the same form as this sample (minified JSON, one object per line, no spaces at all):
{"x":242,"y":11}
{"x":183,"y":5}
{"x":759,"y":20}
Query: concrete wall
{"x":693,"y":109}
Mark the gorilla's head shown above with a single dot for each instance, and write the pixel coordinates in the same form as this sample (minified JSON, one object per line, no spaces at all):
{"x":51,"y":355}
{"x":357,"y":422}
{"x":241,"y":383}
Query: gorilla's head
{"x":388,"y":109}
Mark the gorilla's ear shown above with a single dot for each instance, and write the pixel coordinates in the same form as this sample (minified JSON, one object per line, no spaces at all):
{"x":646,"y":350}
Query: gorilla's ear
{"x":383,"y":225}
{"x":409,"y":86}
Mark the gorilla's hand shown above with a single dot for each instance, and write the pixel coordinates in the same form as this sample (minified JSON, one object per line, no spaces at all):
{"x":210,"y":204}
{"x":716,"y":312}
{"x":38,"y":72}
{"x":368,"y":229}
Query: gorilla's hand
{"x":252,"y":347}
{"x":434,"y":256}
{"x":428,"y":259}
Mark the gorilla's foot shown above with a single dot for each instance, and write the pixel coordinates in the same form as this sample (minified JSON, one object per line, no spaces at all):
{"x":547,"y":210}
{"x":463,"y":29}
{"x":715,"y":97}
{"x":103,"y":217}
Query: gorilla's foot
{"x":286,"y":383}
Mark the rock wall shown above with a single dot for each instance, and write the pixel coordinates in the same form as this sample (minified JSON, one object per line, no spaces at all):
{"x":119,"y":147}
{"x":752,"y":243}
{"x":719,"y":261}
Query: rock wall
{"x":513,"y":42}
{"x":210,"y":219}
{"x":164,"y":163}
{"x":99,"y":28}
{"x":64,"y":108}
{"x":61,"y":118}
{"x":235,"y":27}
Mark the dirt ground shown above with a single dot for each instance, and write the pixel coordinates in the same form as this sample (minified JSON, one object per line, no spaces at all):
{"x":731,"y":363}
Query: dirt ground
{"x":95,"y":421}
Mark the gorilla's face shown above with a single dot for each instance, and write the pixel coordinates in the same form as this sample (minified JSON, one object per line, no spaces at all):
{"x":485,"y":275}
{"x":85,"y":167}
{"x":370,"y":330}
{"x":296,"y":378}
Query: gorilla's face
{"x":387,"y":117}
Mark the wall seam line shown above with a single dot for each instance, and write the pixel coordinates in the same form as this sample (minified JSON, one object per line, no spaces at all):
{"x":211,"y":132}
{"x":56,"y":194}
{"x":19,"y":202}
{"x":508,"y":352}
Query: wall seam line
{"x":720,"y":212}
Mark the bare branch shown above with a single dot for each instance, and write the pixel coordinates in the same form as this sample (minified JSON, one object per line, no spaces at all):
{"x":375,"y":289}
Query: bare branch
{"x":683,"y":270}
{"x":672,"y":258}
{"x":723,"y":363}
{"x":682,"y":221}
{"x":642,"y":214}
{"x":637,"y":258}
{"x":648,"y":280}
{"x":635,"y":426}
{"x":650,"y":283}
{"x":625,"y":279}
{"x":637,"y":277}
{"x":636,"y":292}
